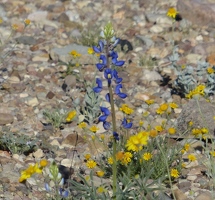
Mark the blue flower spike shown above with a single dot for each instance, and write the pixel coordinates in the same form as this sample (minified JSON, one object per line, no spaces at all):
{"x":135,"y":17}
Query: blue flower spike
{"x":99,"y":86}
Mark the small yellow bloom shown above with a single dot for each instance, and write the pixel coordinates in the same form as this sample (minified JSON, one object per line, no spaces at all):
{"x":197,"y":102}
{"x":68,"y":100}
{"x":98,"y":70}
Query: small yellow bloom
{"x":27,"y":21}
{"x":100,"y":173}
{"x":141,"y":123}
{"x":153,"y":133}
{"x":149,"y":101}
{"x":102,"y":136}
{"x":145,"y":114}
{"x":1,"y":20}
{"x":110,"y":160}
{"x":90,"y":51}
{"x":119,"y":155}
{"x":15,"y":27}
{"x":43,"y":163}
{"x":186,"y":147}
{"x":87,"y":178}
{"x":87,"y":156}
{"x":173,"y":105}
{"x":212,"y":153}
{"x":174,"y":173}
{"x":127,"y":158}
{"x":204,"y":130}
{"x":70,"y":116}
{"x":163,"y":108}
{"x":159,"y":128}
{"x":124,"y":108}
{"x":100,"y":189}
{"x":147,"y":156}
{"x":93,"y":137}
{"x":183,"y":151}
{"x":183,"y":165}
{"x":172,"y":12}
{"x":183,"y":66}
{"x":191,"y":157}
{"x":74,"y":53}
{"x":171,"y":130}
{"x":91,"y":164}
{"x":94,"y":128}
{"x":210,"y":70}
{"x":190,"y":123}
{"x":196,"y":131}
{"x":82,"y":125}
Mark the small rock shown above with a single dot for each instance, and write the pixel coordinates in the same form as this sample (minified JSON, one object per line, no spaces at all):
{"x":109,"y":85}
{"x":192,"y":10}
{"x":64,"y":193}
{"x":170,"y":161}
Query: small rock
{"x":50,"y":95}
{"x":204,"y":196}
{"x":38,"y":154}
{"x":156,"y":29}
{"x":6,"y":118}
{"x":27,"y":40}
{"x":32,"y":102}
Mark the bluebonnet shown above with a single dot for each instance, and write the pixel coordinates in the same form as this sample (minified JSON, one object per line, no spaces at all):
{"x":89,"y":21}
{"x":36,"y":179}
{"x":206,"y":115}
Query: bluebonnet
{"x":100,"y":48}
{"x":105,"y":115}
{"x":99,"y":86}
{"x":114,"y":57}
{"x":102,"y":63}
{"x":125,"y":124}
{"x":108,"y":74}
{"x":116,"y":135}
{"x":118,"y":92}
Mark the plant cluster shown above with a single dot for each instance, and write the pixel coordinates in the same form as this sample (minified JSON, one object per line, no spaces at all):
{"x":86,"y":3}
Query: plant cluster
{"x":193,"y":81}
{"x":18,"y":144}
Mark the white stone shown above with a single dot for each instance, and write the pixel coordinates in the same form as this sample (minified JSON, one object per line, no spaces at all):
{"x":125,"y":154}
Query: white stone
{"x":156,"y":29}
{"x":66,"y":162}
{"x":32,"y":102}
{"x":38,"y":154}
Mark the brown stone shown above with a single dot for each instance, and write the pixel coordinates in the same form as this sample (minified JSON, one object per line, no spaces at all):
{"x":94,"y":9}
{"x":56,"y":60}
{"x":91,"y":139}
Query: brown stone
{"x":211,"y":59}
{"x":198,"y":12}
{"x":50,"y":95}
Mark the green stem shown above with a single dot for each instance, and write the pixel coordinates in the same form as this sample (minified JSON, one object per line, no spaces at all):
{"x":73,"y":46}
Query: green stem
{"x":114,"y":166}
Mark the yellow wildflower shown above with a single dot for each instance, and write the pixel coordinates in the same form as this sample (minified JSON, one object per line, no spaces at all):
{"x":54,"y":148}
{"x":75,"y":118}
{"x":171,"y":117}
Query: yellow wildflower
{"x":190,"y":123}
{"x":153,"y":133}
{"x":102,"y":136}
{"x":172,"y":12}
{"x":212,"y":153}
{"x":145,"y":114}
{"x":1,"y":20}
{"x":136,"y":142}
{"x":87,"y":156}
{"x":124,"y":108}
{"x":163,"y":107}
{"x":100,"y":173}
{"x":94,"y":128}
{"x":119,"y":155}
{"x":183,"y":165}
{"x":126,"y":158}
{"x":100,"y":189}
{"x":171,"y":130}
{"x":159,"y":128}
{"x":141,"y":123}
{"x":196,"y":131}
{"x":82,"y":125}
{"x":191,"y":157}
{"x":74,"y":53}
{"x":147,"y":156}
{"x":204,"y":130}
{"x":90,"y":50}
{"x":27,"y":22}
{"x":91,"y":164}
{"x":186,"y":147}
{"x":210,"y":70}
{"x":70,"y":116}
{"x":149,"y":101}
{"x":174,"y":173}
{"x":110,"y":160}
{"x":43,"y":163}
{"x":173,"y":105}
{"x":15,"y":27}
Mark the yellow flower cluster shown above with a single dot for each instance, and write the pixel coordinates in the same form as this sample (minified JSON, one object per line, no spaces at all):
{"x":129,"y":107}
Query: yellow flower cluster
{"x":199,"y":90}
{"x":136,"y":142}
{"x":32,"y":169}
{"x":90,"y":50}
{"x":147,"y":156}
{"x":75,"y":54}
{"x":70,"y":116}
{"x":200,"y":132}
{"x":186,"y":148}
{"x":191,"y":157}
{"x":126,"y":109}
{"x":82,"y":125}
{"x":166,"y":108}
{"x":124,"y":157}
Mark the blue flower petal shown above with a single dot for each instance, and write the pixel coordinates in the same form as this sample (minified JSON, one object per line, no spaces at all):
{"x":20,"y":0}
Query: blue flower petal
{"x":119,"y":63}
{"x":122,"y":95}
{"x":107,"y":97}
{"x":105,"y":110}
{"x":103,"y":118}
{"x":117,"y":88}
{"x":116,"y":135}
{"x":106,"y":125}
